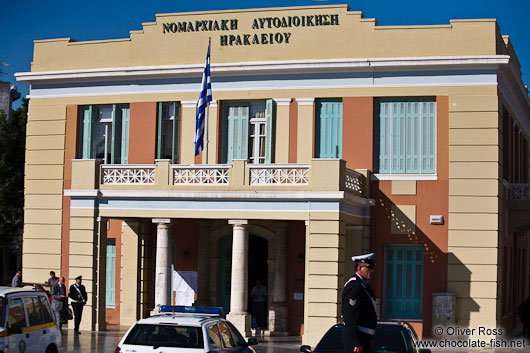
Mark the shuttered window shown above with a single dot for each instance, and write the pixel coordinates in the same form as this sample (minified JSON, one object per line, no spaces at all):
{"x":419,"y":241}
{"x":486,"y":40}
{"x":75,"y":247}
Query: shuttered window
{"x":110,"y":287}
{"x":406,"y":133}
{"x":329,"y":128}
{"x":403,"y":281}
{"x":104,"y":133}
{"x":249,"y":131}
{"x":168,"y":127}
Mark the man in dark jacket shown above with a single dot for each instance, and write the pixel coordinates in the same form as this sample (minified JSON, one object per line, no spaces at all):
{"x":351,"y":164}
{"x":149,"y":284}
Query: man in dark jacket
{"x":60,"y":302}
{"x":78,"y":297}
{"x":358,"y":307}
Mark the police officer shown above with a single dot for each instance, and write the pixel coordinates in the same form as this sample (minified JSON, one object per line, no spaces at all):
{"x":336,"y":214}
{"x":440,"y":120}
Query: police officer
{"x":78,"y":298}
{"x":358,"y":307}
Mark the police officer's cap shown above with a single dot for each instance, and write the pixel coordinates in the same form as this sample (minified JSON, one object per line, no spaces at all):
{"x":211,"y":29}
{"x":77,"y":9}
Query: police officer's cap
{"x":368,"y":259}
{"x":79,"y":277}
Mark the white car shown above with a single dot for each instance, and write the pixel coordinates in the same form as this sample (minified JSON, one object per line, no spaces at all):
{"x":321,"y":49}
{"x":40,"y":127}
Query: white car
{"x":185,"y":329}
{"x":27,"y":323}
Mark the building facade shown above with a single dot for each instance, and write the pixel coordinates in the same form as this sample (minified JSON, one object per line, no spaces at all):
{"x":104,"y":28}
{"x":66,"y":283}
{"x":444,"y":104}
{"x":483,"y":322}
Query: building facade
{"x":329,"y":136}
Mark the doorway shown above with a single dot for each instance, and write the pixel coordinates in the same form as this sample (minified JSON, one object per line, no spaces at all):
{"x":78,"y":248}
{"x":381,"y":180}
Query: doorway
{"x":258,"y":268}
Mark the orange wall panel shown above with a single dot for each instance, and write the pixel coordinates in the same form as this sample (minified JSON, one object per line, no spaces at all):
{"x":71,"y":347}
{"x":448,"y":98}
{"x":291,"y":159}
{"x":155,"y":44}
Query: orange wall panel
{"x":358,"y":132}
{"x":142,"y":133}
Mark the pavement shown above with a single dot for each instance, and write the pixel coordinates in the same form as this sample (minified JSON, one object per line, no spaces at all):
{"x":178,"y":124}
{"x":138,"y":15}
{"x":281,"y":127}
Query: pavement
{"x":106,"y":341}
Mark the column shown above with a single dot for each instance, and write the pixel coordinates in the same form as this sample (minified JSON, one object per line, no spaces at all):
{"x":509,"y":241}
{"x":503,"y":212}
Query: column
{"x":278,"y":310}
{"x":306,"y":123}
{"x":130,"y":282}
{"x":239,"y":285}
{"x":203,"y":264}
{"x":282,"y":130}
{"x":163,"y":263}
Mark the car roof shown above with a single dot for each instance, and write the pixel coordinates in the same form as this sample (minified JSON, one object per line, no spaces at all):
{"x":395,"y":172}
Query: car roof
{"x":180,"y":319}
{"x":26,"y":289}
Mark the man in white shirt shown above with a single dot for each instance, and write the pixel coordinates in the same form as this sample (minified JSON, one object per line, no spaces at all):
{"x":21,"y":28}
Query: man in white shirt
{"x":259,"y":305}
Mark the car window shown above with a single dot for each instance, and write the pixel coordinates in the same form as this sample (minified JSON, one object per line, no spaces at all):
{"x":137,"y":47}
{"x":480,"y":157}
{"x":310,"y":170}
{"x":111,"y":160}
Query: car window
{"x":226,"y":335}
{"x":16,"y":315}
{"x":389,"y":340}
{"x":46,"y":309}
{"x":214,"y":336}
{"x":332,"y":341}
{"x":240,"y":341}
{"x":33,"y":311}
{"x":165,"y":336}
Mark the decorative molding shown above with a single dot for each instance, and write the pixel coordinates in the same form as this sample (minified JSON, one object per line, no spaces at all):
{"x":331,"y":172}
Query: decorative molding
{"x":188,"y":104}
{"x":282,"y":101}
{"x":305,"y":101}
{"x":213,"y":104}
{"x":404,"y":177}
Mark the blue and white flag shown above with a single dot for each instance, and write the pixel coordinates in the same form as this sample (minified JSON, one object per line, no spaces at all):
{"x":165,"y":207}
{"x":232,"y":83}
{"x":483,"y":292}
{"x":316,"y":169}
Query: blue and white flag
{"x":204,"y":99}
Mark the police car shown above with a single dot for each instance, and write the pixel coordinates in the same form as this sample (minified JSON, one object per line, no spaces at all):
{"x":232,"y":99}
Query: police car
{"x":185,"y":329}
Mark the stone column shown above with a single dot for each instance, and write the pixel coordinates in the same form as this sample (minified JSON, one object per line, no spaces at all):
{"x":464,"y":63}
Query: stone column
{"x":278,"y":310}
{"x":163,"y":263}
{"x":203,"y":264}
{"x":239,"y":285}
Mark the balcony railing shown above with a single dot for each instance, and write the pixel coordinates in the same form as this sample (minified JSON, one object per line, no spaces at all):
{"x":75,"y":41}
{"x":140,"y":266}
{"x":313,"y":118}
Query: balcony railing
{"x":520,"y":192}
{"x":279,"y":174}
{"x":320,"y":175}
{"x":200,"y":174}
{"x":127,"y":174}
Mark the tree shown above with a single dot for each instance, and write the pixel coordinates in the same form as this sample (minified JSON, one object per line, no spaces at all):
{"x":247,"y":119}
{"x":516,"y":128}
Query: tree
{"x":12,"y":151}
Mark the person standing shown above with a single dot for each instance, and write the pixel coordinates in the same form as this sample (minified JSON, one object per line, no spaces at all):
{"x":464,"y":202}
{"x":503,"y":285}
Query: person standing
{"x":59,"y":303}
{"x":17,"y":279}
{"x":78,"y":296}
{"x":259,"y":305}
{"x":524,"y":313}
{"x":52,"y":281}
{"x":358,"y":307}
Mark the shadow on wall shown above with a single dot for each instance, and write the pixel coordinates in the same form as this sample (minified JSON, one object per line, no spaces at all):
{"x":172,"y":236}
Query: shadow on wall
{"x":409,"y":225}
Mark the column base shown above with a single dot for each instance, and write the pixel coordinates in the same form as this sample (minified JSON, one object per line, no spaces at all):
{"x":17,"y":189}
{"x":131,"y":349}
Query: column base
{"x":241,"y":321}
{"x":278,"y":319}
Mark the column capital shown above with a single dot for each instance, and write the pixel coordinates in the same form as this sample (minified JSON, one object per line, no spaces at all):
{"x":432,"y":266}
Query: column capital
{"x":161,"y":220}
{"x":238,"y":222}
{"x":188,"y":104}
{"x":305,"y":101}
{"x":282,"y":101}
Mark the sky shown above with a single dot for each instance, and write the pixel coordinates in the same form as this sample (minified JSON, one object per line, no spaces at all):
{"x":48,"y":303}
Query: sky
{"x":22,"y":22}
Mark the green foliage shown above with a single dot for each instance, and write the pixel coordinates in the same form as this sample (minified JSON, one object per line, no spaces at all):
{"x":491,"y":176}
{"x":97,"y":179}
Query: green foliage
{"x":12,"y":150}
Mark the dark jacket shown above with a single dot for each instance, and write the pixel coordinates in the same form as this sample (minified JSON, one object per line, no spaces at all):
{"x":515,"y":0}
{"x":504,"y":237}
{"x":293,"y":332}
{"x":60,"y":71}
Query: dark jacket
{"x":58,"y":302}
{"x":73,"y":294}
{"x":358,"y":311}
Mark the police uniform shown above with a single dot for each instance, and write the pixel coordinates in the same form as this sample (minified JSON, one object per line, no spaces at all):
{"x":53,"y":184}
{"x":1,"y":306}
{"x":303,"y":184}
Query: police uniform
{"x":358,"y":310}
{"x":76,"y":291}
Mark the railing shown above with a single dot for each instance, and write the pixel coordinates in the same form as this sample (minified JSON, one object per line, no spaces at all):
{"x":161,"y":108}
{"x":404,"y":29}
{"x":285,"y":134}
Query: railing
{"x":519,"y":192}
{"x":127,"y":174}
{"x":354,"y":182}
{"x":278,"y":174}
{"x":200,"y":175}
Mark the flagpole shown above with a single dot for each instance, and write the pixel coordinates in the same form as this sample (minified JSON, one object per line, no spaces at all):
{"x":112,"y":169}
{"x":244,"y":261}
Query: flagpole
{"x":208,"y":108}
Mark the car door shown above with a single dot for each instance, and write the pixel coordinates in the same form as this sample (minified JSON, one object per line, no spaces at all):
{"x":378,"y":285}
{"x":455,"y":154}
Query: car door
{"x":229,"y":343}
{"x":34,"y":331}
{"x":16,"y":316}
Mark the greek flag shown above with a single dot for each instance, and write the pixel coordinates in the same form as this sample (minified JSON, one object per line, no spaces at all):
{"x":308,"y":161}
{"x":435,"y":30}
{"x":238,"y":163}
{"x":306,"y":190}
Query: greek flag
{"x":204,"y":99}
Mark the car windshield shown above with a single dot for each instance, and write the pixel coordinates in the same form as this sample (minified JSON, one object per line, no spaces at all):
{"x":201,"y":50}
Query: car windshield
{"x":161,"y":335}
{"x":386,"y":340}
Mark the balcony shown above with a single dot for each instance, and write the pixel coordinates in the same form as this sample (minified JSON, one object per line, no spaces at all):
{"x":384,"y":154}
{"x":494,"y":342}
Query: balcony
{"x":320,"y":175}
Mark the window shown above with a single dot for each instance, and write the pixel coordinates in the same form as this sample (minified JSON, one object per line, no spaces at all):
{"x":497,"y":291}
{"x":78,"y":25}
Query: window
{"x":110,"y":287}
{"x":403,"y":281}
{"x":16,"y":314}
{"x":168,"y":126}
{"x":104,"y":133}
{"x":34,"y":311}
{"x":46,"y":310}
{"x":226,"y":335}
{"x":165,"y":335}
{"x":214,"y":337}
{"x":249,"y":131}
{"x":328,"y":128}
{"x":405,"y":136}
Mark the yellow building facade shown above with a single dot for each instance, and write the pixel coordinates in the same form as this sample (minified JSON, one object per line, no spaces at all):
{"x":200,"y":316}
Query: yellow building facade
{"x":329,"y":136}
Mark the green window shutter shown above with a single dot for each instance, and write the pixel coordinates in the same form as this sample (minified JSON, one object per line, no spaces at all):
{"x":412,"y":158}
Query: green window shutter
{"x":412,"y":137}
{"x":403,"y":281}
{"x":383,"y":132}
{"x":88,"y":126}
{"x":398,"y":137}
{"x":176,"y":135}
{"x":125,"y":121}
{"x":428,"y":138}
{"x":237,"y":121}
{"x":110,"y":288}
{"x":270,"y":114}
{"x":329,"y":129}
{"x":159,"y":132}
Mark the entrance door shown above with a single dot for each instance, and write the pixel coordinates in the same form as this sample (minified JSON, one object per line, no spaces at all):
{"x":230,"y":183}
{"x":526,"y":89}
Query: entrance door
{"x":224,"y":273}
{"x":257,"y":268}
